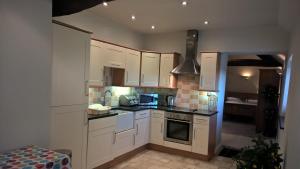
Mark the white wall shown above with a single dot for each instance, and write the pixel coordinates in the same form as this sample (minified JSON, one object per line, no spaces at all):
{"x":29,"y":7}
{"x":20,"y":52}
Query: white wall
{"x":293,"y":114}
{"x":246,"y":40}
{"x":236,"y":83}
{"x":104,"y":29}
{"x":25,"y":58}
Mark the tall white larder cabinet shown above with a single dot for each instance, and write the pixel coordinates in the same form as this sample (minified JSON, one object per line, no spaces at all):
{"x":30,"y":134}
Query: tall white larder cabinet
{"x":69,"y":92}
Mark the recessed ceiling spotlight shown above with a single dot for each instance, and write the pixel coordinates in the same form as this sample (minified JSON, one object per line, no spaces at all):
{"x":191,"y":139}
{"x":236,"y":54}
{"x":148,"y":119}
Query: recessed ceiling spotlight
{"x":152,"y":27}
{"x":206,"y":22}
{"x":105,"y":4}
{"x":184,"y":3}
{"x":132,"y":17}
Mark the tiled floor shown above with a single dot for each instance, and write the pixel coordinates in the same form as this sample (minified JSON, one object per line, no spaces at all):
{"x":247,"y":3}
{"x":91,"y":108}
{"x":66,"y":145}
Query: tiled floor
{"x":156,"y":160}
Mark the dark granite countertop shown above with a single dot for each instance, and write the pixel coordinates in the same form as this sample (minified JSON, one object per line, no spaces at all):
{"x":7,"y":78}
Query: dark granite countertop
{"x":164,"y":108}
{"x":98,"y":116}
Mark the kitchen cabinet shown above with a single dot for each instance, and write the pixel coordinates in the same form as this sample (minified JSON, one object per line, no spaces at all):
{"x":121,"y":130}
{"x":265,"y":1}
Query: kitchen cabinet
{"x":204,"y":135}
{"x":70,"y":66}
{"x":69,"y":90}
{"x":142,"y":128}
{"x":167,"y":63}
{"x":209,"y":71}
{"x":157,"y":127}
{"x":132,"y":67}
{"x":100,"y":141}
{"x":123,"y":142}
{"x":114,"y":56}
{"x":97,"y":59}
{"x":150,"y":69}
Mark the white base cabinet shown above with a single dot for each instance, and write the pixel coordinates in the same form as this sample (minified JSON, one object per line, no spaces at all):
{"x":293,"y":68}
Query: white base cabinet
{"x":100,"y":141}
{"x":157,"y":127}
{"x":200,"y":135}
{"x":142,"y":128}
{"x":123,"y":142}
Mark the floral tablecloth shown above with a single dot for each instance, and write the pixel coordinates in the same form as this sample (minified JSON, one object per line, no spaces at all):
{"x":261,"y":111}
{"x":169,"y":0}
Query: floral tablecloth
{"x":33,"y":157}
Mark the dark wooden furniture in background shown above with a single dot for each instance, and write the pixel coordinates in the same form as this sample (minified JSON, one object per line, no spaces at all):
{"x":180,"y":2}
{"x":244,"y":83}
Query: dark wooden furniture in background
{"x":266,"y":78}
{"x":241,"y":109}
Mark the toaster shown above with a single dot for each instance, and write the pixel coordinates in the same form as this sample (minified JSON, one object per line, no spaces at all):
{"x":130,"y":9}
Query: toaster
{"x":128,"y":100}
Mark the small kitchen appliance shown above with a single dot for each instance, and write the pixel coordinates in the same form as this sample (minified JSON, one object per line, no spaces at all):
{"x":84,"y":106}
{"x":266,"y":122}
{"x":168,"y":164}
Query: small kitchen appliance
{"x":128,"y":100}
{"x":170,"y":100}
{"x":149,"y":99}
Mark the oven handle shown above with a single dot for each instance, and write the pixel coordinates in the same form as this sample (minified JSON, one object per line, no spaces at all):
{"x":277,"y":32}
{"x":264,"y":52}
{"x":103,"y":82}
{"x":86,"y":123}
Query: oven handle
{"x":184,"y":121}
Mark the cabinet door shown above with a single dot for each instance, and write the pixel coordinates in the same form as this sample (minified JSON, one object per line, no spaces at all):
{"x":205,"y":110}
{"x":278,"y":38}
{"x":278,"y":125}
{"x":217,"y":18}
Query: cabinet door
{"x":115,"y":56}
{"x":69,"y":68}
{"x":97,"y":59}
{"x":166,"y":66}
{"x":200,"y":137}
{"x":156,"y":131}
{"x":124,"y":142}
{"x":150,"y":69}
{"x":100,"y":147}
{"x":132,"y":69}
{"x":208,"y":74}
{"x":69,"y":131}
{"x":142,"y":132}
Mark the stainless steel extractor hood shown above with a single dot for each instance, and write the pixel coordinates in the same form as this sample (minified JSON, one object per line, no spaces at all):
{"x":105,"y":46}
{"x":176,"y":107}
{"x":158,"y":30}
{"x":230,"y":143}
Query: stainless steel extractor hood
{"x":189,"y":64}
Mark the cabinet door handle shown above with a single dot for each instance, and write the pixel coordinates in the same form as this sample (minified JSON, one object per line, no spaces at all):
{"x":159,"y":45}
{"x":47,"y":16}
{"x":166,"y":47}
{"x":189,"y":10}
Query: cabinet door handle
{"x":137,"y":129}
{"x":143,"y":78}
{"x":133,"y":139}
{"x":115,"y":138}
{"x":115,"y":64}
{"x":127,"y":76}
{"x":86,"y":88}
{"x":201,"y":81}
{"x":194,"y":133}
{"x":161,"y":128}
{"x":86,"y":120}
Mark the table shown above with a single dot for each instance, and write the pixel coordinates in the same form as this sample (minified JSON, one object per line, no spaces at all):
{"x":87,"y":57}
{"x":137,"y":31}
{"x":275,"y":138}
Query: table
{"x":34,"y":157}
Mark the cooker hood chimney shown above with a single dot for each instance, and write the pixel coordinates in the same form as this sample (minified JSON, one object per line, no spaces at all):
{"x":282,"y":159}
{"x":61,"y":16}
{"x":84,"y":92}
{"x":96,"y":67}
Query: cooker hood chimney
{"x":189,"y":64}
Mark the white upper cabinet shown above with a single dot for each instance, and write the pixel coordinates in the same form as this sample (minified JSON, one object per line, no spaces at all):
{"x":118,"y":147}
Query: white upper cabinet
{"x":97,"y":59}
{"x":70,"y":66}
{"x":167,"y":64}
{"x":132,"y":67}
{"x":209,"y":71}
{"x":115,"y":56}
{"x":150,"y":69}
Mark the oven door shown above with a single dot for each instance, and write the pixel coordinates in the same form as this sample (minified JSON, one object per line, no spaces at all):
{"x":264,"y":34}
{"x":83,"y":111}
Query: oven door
{"x":178,"y":131}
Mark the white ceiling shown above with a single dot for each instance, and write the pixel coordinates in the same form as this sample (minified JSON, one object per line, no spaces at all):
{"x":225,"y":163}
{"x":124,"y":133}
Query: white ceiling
{"x":170,"y":15}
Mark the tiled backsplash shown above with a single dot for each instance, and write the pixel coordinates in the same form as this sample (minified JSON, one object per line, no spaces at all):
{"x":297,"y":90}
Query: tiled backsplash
{"x":187,"y":95}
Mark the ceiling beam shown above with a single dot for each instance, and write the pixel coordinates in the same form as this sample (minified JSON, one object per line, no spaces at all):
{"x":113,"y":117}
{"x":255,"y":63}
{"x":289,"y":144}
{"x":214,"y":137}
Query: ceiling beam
{"x":252,"y":62}
{"x":67,"y":7}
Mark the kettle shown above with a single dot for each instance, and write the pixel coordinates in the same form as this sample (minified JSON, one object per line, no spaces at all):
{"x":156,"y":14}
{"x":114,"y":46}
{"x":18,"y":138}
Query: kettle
{"x":170,"y":100}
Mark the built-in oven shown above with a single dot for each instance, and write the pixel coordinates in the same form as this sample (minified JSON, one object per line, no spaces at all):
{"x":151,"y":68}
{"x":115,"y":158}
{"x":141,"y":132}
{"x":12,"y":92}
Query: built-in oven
{"x":178,"y":128}
{"x":149,"y":99}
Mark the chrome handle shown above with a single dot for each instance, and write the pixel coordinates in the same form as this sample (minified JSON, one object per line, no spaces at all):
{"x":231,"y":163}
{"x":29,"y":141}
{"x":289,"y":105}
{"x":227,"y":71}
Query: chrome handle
{"x":133,"y":139}
{"x":179,"y":120}
{"x":86,"y":120}
{"x":86,"y":88}
{"x":201,"y":81}
{"x":115,"y":64}
{"x":143,"y":78}
{"x":115,"y":138}
{"x":194,"y":133}
{"x":137,"y":129}
{"x":127,"y":76}
{"x":161,"y":128}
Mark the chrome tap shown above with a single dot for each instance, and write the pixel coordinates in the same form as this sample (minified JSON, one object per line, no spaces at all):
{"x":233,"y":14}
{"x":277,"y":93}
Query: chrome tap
{"x":105,"y":93}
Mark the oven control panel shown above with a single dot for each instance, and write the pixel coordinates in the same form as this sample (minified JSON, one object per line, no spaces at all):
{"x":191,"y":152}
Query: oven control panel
{"x":179,"y":116}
